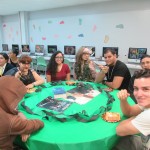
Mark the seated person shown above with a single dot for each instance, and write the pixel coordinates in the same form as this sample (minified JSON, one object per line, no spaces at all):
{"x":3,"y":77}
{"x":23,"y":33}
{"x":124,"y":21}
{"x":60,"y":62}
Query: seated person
{"x":145,"y":64}
{"x":12,"y":122}
{"x":56,"y":69}
{"x":139,"y":122}
{"x":4,"y":65}
{"x":84,"y":68}
{"x":115,"y":71}
{"x":13,"y":59}
{"x":29,"y":77}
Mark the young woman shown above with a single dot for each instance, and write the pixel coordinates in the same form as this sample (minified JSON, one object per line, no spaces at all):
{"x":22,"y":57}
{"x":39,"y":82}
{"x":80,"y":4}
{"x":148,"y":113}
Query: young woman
{"x":84,"y":68}
{"x":13,"y":57}
{"x":56,"y":69}
{"x":29,"y":77}
{"x":4,"y":65}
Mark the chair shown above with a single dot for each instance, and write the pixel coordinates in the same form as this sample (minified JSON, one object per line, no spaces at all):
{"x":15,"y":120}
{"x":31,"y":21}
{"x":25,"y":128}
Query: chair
{"x":41,"y":64}
{"x":66,"y":61}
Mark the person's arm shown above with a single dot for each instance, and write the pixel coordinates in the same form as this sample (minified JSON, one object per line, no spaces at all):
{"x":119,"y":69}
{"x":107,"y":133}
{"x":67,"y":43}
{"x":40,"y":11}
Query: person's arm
{"x":68,"y":77}
{"x":74,"y":74}
{"x":116,"y":83}
{"x":48,"y":78}
{"x":126,"y":128}
{"x":125,"y":107}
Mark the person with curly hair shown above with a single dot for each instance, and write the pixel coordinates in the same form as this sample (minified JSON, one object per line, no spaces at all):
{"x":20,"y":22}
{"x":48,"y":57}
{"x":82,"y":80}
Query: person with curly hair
{"x":56,"y":69}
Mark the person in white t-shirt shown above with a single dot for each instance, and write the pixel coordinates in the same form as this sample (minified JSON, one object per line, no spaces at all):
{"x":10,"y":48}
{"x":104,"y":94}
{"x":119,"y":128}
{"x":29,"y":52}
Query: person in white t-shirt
{"x":139,"y":121}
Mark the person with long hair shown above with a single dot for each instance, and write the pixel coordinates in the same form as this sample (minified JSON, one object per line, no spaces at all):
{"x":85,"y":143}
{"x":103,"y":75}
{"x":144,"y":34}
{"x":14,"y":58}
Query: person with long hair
{"x":56,"y":69}
{"x":84,"y":68}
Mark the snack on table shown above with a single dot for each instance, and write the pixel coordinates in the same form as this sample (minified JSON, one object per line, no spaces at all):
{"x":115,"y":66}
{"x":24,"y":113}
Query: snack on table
{"x":31,"y":90}
{"x":70,"y":82}
{"x":111,"y":117}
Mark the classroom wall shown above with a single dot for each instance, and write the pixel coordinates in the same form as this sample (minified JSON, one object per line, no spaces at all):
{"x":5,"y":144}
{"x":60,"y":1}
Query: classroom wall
{"x":121,"y":29}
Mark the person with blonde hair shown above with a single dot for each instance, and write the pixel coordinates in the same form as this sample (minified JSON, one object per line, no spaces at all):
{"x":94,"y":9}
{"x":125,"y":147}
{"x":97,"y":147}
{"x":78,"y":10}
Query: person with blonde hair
{"x":84,"y":68}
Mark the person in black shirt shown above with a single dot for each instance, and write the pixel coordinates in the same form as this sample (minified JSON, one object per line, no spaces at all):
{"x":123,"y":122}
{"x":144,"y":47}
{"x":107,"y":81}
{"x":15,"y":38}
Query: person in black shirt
{"x":145,"y":64}
{"x":13,"y":57}
{"x":116,"y":72}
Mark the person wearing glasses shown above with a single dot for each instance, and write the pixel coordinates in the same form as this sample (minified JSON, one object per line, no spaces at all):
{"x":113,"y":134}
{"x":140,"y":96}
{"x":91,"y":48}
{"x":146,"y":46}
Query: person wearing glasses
{"x":145,"y":64}
{"x":56,"y":69}
{"x":139,"y":120}
{"x":4,"y":65}
{"x":84,"y":68}
{"x":29,"y":77}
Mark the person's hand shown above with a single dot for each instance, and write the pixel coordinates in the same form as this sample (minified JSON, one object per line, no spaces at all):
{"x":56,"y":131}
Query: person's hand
{"x":29,"y":86}
{"x":18,"y":74}
{"x":104,"y":69}
{"x":123,"y":95}
{"x":24,"y":137}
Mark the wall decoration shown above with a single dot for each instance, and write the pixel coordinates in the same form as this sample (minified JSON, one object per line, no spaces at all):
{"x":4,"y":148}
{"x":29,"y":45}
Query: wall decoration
{"x":4,"y":25}
{"x":31,"y":39}
{"x":43,"y":38}
{"x":106,"y":39}
{"x":56,"y":36}
{"x":80,"y":35}
{"x":49,"y":21}
{"x":80,"y":21}
{"x":120,"y":26}
{"x":69,"y":37}
{"x":17,"y":33}
{"x":94,"y":28}
{"x":61,"y":22}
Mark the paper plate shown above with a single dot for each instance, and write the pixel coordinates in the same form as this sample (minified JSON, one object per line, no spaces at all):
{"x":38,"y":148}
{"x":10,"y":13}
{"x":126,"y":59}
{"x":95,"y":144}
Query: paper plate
{"x":111,"y":117}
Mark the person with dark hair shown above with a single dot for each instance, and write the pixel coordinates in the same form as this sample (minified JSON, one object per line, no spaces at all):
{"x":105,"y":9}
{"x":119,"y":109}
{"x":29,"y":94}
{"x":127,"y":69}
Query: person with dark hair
{"x":29,"y":77}
{"x":145,"y":64}
{"x":84,"y":68}
{"x":116,"y":72}
{"x":139,"y":121}
{"x":4,"y":65}
{"x":13,"y":59}
{"x":13,"y":122}
{"x":56,"y":69}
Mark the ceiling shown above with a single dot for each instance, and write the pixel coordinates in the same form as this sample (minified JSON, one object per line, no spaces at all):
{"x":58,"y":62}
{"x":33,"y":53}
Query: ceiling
{"x":9,"y":7}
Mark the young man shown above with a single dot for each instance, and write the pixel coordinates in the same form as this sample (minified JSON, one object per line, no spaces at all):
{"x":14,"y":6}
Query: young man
{"x":115,"y":71}
{"x":145,"y":64}
{"x":139,"y":121}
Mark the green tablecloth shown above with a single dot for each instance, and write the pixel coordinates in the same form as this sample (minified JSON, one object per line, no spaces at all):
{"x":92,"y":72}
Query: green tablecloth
{"x":74,"y":135}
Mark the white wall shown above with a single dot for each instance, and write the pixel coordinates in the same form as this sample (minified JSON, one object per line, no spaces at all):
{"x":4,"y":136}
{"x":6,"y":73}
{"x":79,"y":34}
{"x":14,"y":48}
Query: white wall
{"x":119,"y":29}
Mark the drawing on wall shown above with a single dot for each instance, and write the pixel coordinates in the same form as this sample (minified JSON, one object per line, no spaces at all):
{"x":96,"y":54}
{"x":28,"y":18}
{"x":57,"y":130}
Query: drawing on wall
{"x":120,"y":26}
{"x":69,"y":37}
{"x":80,"y":35}
{"x":106,"y":39}
{"x":43,"y":38}
{"x":94,"y":28}
{"x":49,"y":21}
{"x":80,"y":21}
{"x":61,"y":22}
{"x":17,"y":33}
{"x":4,"y":25}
